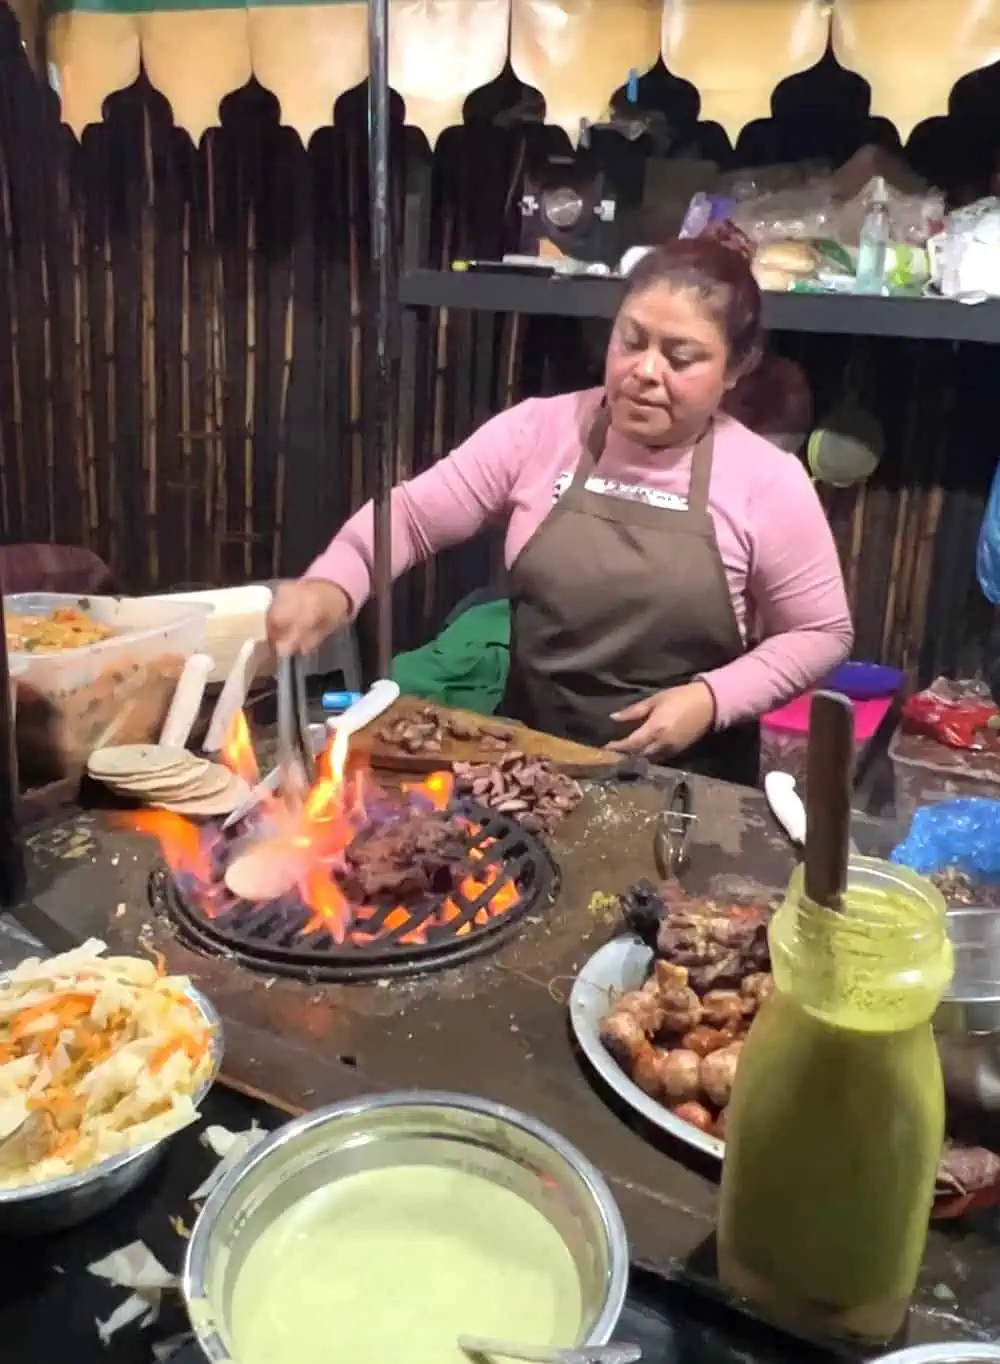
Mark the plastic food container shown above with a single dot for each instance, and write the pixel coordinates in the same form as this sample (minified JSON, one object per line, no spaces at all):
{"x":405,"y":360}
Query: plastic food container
{"x":925,"y":772}
{"x":785,"y":733}
{"x":115,"y":692}
{"x":236,"y":614}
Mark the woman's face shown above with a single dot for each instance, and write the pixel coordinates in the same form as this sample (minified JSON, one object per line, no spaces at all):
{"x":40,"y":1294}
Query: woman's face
{"x":667,"y":367}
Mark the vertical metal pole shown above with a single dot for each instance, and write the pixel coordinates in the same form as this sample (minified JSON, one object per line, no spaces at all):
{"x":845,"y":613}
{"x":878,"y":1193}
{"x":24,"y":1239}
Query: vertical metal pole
{"x":381,"y":389}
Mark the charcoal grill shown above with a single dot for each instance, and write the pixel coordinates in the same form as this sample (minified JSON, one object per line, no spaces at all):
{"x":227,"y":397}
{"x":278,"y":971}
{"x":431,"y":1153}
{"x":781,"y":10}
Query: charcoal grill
{"x":272,"y":936}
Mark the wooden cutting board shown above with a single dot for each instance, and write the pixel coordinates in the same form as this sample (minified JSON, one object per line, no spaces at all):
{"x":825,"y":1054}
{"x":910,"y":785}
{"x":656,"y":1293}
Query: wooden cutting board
{"x":570,"y":756}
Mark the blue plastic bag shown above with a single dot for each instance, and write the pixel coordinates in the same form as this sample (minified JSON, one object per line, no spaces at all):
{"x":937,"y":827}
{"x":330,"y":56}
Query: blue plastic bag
{"x":988,"y":549}
{"x":955,"y":833}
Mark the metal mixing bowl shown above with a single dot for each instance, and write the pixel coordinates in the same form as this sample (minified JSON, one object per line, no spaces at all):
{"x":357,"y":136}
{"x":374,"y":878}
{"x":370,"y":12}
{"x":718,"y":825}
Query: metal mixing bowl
{"x":967,"y":1022}
{"x":408,"y":1128}
{"x":55,"y":1204}
{"x":952,"y":1352}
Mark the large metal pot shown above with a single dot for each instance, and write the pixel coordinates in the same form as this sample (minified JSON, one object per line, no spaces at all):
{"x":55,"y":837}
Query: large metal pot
{"x":407,"y":1128}
{"x":55,"y":1204}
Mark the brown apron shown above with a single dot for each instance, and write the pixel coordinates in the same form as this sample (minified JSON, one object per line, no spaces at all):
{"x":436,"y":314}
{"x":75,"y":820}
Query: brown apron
{"x":613,"y":600}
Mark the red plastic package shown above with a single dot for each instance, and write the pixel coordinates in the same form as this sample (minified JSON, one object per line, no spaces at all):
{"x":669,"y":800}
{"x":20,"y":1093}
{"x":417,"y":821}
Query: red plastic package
{"x":956,"y":724}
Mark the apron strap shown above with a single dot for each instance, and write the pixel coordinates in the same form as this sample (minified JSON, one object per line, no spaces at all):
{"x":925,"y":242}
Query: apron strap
{"x":701,"y":473}
{"x":593,"y":445}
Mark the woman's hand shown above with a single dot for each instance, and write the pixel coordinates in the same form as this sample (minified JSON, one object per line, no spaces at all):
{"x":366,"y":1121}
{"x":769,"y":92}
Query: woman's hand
{"x":669,"y":722}
{"x":303,"y":613}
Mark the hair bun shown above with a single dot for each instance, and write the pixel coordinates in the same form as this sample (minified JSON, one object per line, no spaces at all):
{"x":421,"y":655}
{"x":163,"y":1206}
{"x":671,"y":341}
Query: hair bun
{"x":730,"y":236}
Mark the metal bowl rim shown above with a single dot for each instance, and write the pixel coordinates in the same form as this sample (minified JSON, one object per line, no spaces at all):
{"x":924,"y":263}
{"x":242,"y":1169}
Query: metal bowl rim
{"x":194,"y":1273}
{"x":68,"y":1184}
{"x":942,"y":1352}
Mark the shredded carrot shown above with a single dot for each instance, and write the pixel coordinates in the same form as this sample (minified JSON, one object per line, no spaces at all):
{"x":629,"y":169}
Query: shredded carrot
{"x":65,"y":1008}
{"x":192,"y":1048}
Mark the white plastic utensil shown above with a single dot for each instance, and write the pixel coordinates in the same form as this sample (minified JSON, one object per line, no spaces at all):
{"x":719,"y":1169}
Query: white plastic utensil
{"x":187,"y":700}
{"x":376,"y":700}
{"x":551,"y":1354}
{"x":786,"y":805}
{"x":233,"y":696}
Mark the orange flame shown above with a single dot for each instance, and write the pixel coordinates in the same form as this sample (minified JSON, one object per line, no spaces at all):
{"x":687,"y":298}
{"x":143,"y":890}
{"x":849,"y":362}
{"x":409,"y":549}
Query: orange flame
{"x":237,"y":750}
{"x":184,"y":850}
{"x":317,"y":834}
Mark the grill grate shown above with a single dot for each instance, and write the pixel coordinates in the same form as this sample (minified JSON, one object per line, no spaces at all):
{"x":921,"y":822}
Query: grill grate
{"x":271,"y":936}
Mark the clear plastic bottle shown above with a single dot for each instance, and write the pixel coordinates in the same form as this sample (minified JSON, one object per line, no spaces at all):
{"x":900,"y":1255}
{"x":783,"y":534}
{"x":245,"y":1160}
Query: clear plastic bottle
{"x":873,"y":245}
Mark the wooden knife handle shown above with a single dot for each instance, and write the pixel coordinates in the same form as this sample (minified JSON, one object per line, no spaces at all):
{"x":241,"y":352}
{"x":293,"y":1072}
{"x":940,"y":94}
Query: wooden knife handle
{"x":829,"y":779}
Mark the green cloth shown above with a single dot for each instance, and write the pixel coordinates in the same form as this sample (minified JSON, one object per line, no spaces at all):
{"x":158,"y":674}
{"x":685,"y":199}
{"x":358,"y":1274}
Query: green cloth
{"x":466,"y":666}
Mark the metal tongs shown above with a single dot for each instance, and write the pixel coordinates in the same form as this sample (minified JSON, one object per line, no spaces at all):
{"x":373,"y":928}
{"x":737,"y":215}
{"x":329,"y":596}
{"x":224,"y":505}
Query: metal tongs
{"x":296,"y":761}
{"x":673,"y":831}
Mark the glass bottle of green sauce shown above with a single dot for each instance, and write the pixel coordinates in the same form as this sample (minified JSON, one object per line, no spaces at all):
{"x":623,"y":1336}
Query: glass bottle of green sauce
{"x":836,"y":1122}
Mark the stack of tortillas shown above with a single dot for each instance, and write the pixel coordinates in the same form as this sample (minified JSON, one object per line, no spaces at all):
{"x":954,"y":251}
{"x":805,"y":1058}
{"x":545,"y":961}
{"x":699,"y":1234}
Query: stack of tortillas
{"x":169,"y":778}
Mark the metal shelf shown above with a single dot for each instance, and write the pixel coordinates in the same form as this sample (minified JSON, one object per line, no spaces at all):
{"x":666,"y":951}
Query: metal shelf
{"x":914,"y":318}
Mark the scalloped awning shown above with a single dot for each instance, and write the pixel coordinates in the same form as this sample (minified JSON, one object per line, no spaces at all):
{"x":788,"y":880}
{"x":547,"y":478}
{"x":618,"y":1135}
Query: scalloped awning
{"x":576,"y":52}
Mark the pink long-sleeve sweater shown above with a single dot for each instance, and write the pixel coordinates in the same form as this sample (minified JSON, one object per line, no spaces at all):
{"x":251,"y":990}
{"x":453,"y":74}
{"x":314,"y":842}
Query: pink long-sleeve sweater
{"x":780,"y":559}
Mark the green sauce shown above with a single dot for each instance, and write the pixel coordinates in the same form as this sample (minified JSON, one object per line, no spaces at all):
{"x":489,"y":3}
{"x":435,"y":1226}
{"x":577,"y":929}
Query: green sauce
{"x":394,"y":1264}
{"x":837,"y":1119}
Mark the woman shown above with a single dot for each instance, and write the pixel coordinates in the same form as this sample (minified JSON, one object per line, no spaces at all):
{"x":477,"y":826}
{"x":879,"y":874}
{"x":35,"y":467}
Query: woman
{"x":645,"y":531}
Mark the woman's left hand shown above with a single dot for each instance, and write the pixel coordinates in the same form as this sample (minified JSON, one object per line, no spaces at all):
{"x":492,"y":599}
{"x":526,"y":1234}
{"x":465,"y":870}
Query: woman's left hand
{"x":669,"y":722}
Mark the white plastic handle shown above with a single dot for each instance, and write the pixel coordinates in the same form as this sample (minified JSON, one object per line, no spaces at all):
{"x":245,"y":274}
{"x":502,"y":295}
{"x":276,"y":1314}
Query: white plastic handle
{"x":233,"y":696}
{"x":376,"y":700}
{"x":786,"y":805}
{"x":186,"y":702}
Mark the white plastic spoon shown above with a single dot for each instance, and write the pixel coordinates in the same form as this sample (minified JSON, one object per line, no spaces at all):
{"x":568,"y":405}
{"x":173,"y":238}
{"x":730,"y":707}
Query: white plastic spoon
{"x":787,"y":807}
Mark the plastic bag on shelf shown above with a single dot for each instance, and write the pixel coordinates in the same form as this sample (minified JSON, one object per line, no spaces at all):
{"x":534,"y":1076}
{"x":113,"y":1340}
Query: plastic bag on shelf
{"x":955,"y":833}
{"x":801,"y":214}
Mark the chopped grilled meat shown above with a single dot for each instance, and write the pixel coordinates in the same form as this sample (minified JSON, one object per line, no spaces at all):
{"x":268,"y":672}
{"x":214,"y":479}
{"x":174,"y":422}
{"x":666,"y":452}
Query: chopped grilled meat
{"x":723,"y":1008}
{"x":966,"y":1169}
{"x":696,"y":1114}
{"x":405,"y":858}
{"x":533,"y":789}
{"x":623,"y":1034}
{"x":755,"y":988}
{"x":717,"y":1073}
{"x":704,"y":1040}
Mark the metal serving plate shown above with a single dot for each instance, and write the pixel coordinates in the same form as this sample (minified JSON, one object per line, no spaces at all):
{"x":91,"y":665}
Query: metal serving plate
{"x":619,"y":966}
